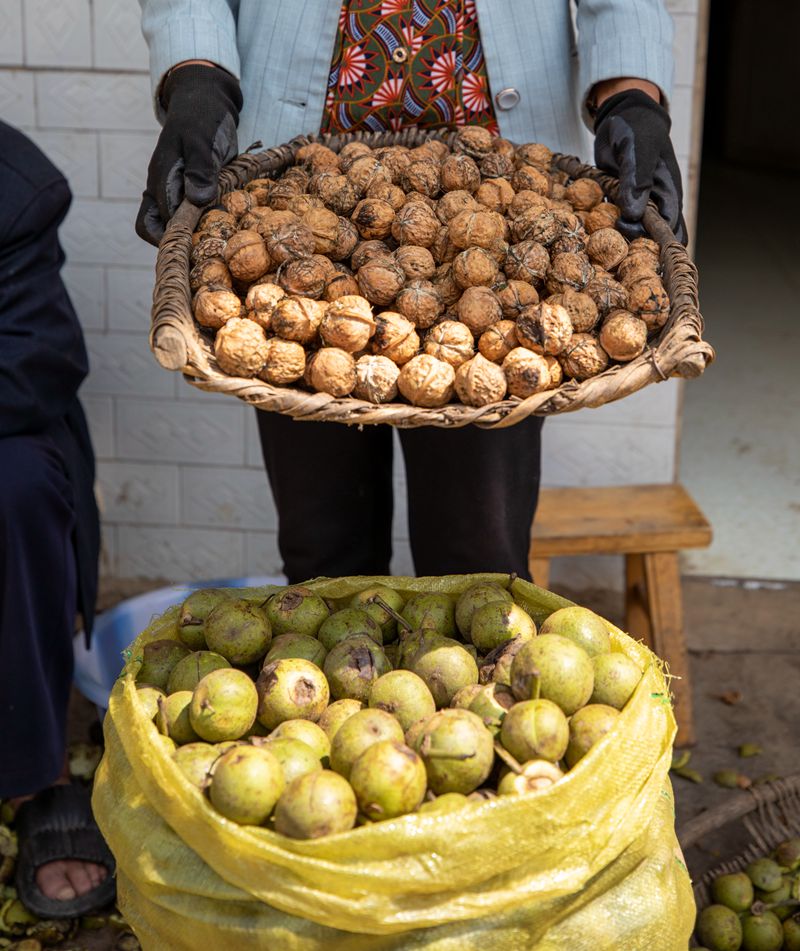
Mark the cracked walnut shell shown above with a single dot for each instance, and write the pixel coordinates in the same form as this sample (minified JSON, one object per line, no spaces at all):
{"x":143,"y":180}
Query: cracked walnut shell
{"x":240,"y":347}
{"x":544,"y":328}
{"x":498,"y":341}
{"x":348,"y":323}
{"x":394,"y":337}
{"x":331,"y":370}
{"x":298,"y":319}
{"x":480,"y":382}
{"x":451,"y":341}
{"x":623,"y":336}
{"x":583,"y":357}
{"x":376,"y":379}
{"x":526,"y":372}
{"x":427,"y":382}
{"x":214,"y":305}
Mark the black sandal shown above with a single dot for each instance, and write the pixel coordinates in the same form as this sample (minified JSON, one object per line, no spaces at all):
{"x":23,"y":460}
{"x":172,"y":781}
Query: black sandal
{"x":58,"y":825}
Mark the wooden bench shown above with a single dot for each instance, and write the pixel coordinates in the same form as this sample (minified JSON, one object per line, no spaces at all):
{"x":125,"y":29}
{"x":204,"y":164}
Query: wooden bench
{"x":649,"y":525}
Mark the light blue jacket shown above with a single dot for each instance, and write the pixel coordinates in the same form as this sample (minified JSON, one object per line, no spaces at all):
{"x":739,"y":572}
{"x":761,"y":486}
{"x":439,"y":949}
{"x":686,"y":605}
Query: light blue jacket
{"x":281,"y":51}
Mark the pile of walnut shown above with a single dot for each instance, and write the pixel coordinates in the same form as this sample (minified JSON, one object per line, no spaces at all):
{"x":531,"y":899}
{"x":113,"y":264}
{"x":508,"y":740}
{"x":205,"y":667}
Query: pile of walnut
{"x":468,"y":275}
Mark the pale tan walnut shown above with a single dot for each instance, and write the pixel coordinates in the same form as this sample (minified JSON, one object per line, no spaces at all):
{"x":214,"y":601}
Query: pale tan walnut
{"x":514,"y":296}
{"x":584,"y":193}
{"x":332,"y":370}
{"x":416,"y":262}
{"x":474,"y":267}
{"x":496,"y":194}
{"x":623,"y":336}
{"x":217,"y":223}
{"x":290,"y":241}
{"x":395,"y":158}
{"x":343,"y":283}
{"x":395,"y":337}
{"x":424,"y":177}
{"x":453,"y":203}
{"x":301,"y":205}
{"x":346,"y":241}
{"x":285,"y":362}
{"x":240,"y":347}
{"x":479,"y":308}
{"x":451,"y":341}
{"x":556,"y":373}
{"x":259,"y":189}
{"x":376,"y":379}
{"x":246,"y":256}
{"x":526,"y":372}
{"x":427,"y":382}
{"x":607,"y":293}
{"x":392,"y":194}
{"x":298,"y":319}
{"x":337,"y":193}
{"x":317,"y":156}
{"x":445,"y":284}
{"x":366,"y":250}
{"x":569,"y":270}
{"x":535,"y":154}
{"x":499,"y":340}
{"x":581,"y":308}
{"x":415,"y":224}
{"x":324,"y":225}
{"x":530,"y":178}
{"x":237,"y":202}
{"x":638,"y":259}
{"x":544,"y":328}
{"x":558,"y":191}
{"x":604,"y":215}
{"x":607,"y":247}
{"x":535,"y":224}
{"x":373,"y":218}
{"x":208,"y":248}
{"x":648,"y":299}
{"x":504,"y":147}
{"x":364,"y":172}
{"x":214,"y":305}
{"x":348,"y":323}
{"x":647,"y":245}
{"x":420,"y":302}
{"x":527,"y":261}
{"x":210,"y":271}
{"x":380,"y":279}
{"x":352,"y":151}
{"x":525,"y":201}
{"x":260,"y":303}
{"x":496,"y":165}
{"x":583,"y":357}
{"x":473,"y":140}
{"x":443,"y":249}
{"x":305,"y":277}
{"x":480,"y":382}
{"x":479,"y":229}
{"x":633,"y":272}
{"x":559,"y":175}
{"x":460,"y":172}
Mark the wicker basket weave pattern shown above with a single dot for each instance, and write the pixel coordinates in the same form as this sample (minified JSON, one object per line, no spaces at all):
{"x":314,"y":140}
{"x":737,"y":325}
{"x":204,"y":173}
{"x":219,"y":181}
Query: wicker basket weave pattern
{"x":179,"y":344}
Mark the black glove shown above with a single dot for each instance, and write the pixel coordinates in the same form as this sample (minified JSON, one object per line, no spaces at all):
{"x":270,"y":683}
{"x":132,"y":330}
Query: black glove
{"x":202,"y":106}
{"x":632,"y":142}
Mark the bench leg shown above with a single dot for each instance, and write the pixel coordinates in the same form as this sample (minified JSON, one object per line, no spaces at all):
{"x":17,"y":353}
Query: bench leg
{"x":637,"y":608}
{"x":540,"y":571}
{"x":662,"y":589}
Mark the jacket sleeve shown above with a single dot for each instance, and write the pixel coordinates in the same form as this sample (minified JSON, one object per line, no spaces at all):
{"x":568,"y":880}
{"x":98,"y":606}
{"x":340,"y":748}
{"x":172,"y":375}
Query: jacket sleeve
{"x":42,"y":354}
{"x":623,"y":38}
{"x":177,"y":30}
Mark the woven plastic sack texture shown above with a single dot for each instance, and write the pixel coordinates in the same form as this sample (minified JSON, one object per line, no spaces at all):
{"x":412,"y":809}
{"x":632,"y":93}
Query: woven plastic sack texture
{"x":591,"y":864}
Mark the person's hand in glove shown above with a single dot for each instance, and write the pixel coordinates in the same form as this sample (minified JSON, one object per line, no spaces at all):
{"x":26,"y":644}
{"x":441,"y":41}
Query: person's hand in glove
{"x":632,"y":143}
{"x":202,"y":104}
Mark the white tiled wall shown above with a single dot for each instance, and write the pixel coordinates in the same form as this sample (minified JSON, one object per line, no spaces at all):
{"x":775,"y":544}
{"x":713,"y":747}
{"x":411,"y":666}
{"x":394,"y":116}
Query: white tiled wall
{"x":179,"y":472}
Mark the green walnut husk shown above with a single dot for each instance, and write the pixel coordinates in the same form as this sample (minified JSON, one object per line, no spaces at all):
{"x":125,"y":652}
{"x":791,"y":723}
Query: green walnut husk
{"x":719,"y":928}
{"x":375,"y":602}
{"x":239,"y":630}
{"x":358,"y":733}
{"x":555,"y":668}
{"x":223,"y":705}
{"x":389,"y":780}
{"x":296,"y":646}
{"x":735,"y":891}
{"x":173,"y":718}
{"x":296,"y":610}
{"x":762,"y":932}
{"x":158,"y":659}
{"x":348,"y":622}
{"x":352,"y":667}
{"x":458,"y":751}
{"x":291,"y":689}
{"x":336,"y":713}
{"x":403,"y":694}
{"x":307,"y":732}
{"x":499,"y":622}
{"x":190,"y":670}
{"x":476,"y":597}
{"x":435,"y":612}
{"x":246,"y":784}
{"x":765,"y":874}
{"x":316,"y":805}
{"x":194,"y":611}
{"x":582,"y":626}
{"x":616,"y":676}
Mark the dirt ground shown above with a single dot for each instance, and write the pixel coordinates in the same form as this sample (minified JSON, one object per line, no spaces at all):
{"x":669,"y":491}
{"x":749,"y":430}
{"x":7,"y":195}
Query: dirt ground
{"x":743,"y":637}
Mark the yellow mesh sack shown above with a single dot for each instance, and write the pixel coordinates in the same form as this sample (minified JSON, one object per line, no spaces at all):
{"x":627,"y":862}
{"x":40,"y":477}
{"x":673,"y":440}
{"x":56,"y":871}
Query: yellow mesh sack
{"x":591,"y":864}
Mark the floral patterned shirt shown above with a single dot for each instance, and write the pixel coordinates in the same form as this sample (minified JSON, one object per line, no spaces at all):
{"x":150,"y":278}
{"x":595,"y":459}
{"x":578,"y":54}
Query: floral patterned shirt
{"x":398,"y":63}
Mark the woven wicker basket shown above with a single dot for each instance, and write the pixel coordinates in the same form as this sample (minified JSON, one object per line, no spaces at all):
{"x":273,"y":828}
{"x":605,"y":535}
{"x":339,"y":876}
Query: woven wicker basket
{"x":769,"y":813}
{"x":179,"y":344}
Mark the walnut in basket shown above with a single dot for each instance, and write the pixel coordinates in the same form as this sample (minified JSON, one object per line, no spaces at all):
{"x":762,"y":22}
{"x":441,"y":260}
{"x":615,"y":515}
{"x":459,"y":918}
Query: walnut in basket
{"x":208,"y":248}
{"x":285,"y":362}
{"x":527,"y":261}
{"x":473,"y":140}
{"x":342,"y":283}
{"x":607,"y":247}
{"x":417,"y":262}
{"x":604,"y":215}
{"x":427,"y":382}
{"x":451,"y":341}
{"x":415,"y":224}
{"x":530,"y":178}
{"x":480,"y":382}
{"x":648,"y":299}
{"x":526,"y":372}
{"x":395,"y":159}
{"x":544,"y":328}
{"x":460,"y":172}
{"x":445,"y":284}
{"x":373,"y":218}
{"x":324,"y":225}
{"x":420,"y":302}
{"x":289,"y":241}
{"x":337,"y":193}
{"x":583,"y":357}
{"x":352,"y":151}
{"x":237,"y":202}
{"x":394,"y":337}
{"x":495,"y":194}
{"x":259,"y":189}
{"x":453,"y":203}
{"x":479,"y":229}
{"x":607,"y":293}
{"x":497,"y":165}
{"x":260,"y":303}
{"x":246,"y":256}
{"x":569,"y":270}
{"x":376,"y":379}
{"x":474,"y":267}
{"x":214,"y":305}
{"x":217,"y":223}
{"x":556,"y":373}
{"x":527,"y":200}
{"x":210,"y":271}
{"x":331,"y":370}
{"x":443,"y":249}
{"x":498,"y":341}
{"x":298,"y":319}
{"x":365,"y":171}
{"x":623,"y":336}
{"x":581,"y":308}
{"x":583,"y":194}
{"x":348,"y":324}
{"x":380,"y":279}
{"x":392,"y":194}
{"x":479,"y":308}
{"x":424,"y":177}
{"x":305,"y":277}
{"x":536,"y":224}
{"x":240,"y":347}
{"x":535,"y":154}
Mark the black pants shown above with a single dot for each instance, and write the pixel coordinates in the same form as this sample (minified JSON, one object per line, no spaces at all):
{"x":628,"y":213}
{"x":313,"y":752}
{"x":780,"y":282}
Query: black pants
{"x":472,"y":495}
{"x":37,"y":612}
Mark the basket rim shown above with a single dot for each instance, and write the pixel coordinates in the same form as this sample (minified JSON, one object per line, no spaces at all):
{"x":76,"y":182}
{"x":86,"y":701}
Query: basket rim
{"x":179,"y":344}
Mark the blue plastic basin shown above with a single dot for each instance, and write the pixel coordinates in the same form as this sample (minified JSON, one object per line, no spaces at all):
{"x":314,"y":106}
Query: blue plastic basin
{"x":96,"y":669}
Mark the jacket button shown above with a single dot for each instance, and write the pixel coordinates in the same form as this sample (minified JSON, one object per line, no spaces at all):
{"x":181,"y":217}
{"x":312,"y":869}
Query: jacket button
{"x":507,"y":98}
